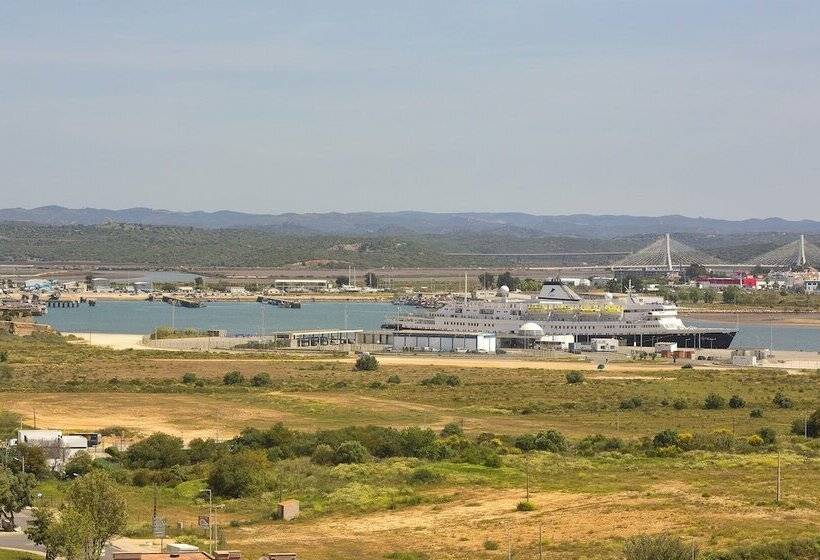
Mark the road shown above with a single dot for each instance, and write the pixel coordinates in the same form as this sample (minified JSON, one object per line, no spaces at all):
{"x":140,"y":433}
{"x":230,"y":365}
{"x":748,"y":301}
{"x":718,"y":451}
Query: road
{"x":18,"y":540}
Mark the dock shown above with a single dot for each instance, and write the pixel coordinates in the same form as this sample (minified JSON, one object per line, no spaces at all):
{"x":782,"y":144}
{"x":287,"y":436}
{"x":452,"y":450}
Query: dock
{"x":183,"y":302}
{"x":286,"y":303}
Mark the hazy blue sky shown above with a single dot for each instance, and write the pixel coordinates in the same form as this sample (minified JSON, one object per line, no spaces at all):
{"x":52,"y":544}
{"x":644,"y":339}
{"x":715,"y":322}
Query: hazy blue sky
{"x":693,"y":107}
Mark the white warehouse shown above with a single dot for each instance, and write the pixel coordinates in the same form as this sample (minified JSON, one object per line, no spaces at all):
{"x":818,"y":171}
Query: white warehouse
{"x":434,"y":341}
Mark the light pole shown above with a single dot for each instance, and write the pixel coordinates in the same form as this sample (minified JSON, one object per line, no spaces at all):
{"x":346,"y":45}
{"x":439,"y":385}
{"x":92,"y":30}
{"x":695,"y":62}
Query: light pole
{"x":210,"y":520}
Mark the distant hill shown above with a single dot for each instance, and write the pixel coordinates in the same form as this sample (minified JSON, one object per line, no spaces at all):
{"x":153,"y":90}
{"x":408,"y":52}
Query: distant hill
{"x":512,"y":224}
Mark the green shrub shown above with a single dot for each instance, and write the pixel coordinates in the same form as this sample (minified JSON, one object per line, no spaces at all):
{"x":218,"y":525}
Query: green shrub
{"x":157,"y":451}
{"x":548,"y":440}
{"x":351,"y":452}
{"x":756,"y":413}
{"x":713,"y":401}
{"x":239,"y":474}
{"x":493,"y":461}
{"x":631,"y":403}
{"x":601,"y":366}
{"x":490,"y":545}
{"x":781,"y":401}
{"x":656,"y":547}
{"x":323,"y":454}
{"x":424,"y":475}
{"x":679,"y":404}
{"x":394,"y":379}
{"x":665,"y":438}
{"x":189,"y":378}
{"x":768,"y":435}
{"x":754,"y":440}
{"x":375,"y":384}
{"x":4,"y":356}
{"x":442,"y":379}
{"x":261,"y":379}
{"x":452,"y":429}
{"x":233,"y":378}
{"x":367,"y":362}
{"x":686,"y":366}
{"x":599,"y":443}
{"x":575,"y":377}
{"x":736,"y":401}
{"x":525,"y":505}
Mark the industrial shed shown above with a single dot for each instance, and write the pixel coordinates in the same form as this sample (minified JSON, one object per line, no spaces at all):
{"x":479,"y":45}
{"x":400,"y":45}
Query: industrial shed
{"x":435,"y":341}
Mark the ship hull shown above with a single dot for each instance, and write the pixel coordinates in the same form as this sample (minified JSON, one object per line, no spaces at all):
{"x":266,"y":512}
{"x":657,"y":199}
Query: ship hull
{"x":699,"y":339}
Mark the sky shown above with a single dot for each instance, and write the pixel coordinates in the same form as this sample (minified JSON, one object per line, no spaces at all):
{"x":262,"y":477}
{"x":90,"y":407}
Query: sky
{"x":695,"y":107}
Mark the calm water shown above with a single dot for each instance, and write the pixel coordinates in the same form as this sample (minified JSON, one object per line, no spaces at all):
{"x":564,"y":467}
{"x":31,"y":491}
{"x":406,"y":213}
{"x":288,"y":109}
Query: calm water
{"x":137,"y":317}
{"x":140,"y":317}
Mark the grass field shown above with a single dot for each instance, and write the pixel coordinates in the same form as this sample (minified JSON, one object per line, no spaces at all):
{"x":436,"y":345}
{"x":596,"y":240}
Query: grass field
{"x":585,"y":506}
{"x":6,"y":554}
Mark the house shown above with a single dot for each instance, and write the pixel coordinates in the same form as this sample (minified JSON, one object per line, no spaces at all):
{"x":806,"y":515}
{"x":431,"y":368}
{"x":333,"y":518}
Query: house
{"x":58,"y":448}
{"x":101,"y":285}
{"x":604,"y":344}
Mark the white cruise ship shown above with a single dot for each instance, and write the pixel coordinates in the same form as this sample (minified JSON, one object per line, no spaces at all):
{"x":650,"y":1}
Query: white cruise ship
{"x":635,"y":320}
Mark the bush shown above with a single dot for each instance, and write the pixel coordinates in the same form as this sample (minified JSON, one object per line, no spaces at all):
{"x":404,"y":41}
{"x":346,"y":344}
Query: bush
{"x":323,"y":454}
{"x":686,"y":366}
{"x":375,"y":384}
{"x":442,"y":379}
{"x":656,"y":547}
{"x":795,"y":549}
{"x":601,"y":366}
{"x":630,"y":403}
{"x":599,"y":443}
{"x":754,"y":440}
{"x":713,"y":401}
{"x":493,"y":461}
{"x":452,"y":429}
{"x":575,"y":377}
{"x":549,"y":440}
{"x":756,"y":413}
{"x":666,"y":438}
{"x":189,"y":378}
{"x":261,"y":380}
{"x":424,"y":476}
{"x":768,"y":435}
{"x":233,"y":378}
{"x":490,"y":545}
{"x":4,"y":356}
{"x":367,"y":362}
{"x":351,"y":452}
{"x":781,"y":401}
{"x":525,"y":505}
{"x":394,"y":379}
{"x":735,"y":401}
{"x":679,"y":404}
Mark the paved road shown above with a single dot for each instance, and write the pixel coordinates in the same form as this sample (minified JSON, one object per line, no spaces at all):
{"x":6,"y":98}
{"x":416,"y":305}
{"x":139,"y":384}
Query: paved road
{"x":18,"y":539}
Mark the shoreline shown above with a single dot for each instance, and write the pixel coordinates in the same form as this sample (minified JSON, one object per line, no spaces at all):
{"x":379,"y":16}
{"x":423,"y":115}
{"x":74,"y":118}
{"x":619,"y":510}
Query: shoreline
{"x":795,"y":318}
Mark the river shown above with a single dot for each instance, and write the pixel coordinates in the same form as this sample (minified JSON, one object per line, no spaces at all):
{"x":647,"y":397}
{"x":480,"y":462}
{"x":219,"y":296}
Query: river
{"x":140,"y":317}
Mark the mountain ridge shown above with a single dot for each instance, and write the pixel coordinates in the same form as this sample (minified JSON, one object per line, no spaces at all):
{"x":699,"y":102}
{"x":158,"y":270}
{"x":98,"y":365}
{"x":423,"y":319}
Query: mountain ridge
{"x":380,"y":223}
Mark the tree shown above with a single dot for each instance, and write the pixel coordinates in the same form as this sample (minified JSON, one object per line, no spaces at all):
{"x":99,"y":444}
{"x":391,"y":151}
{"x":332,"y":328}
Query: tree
{"x":666,"y":438}
{"x":157,"y":451}
{"x":94,"y":511}
{"x":694,"y":270}
{"x":15,"y":494}
{"x":78,"y":465}
{"x":781,"y":401}
{"x":709,"y":295}
{"x":42,"y":530}
{"x":371,"y":280}
{"x":238,"y":474}
{"x":9,"y":423}
{"x":34,"y":458}
{"x":507,"y":279}
{"x":199,"y":282}
{"x":486,"y":280}
{"x":367,"y":362}
{"x":656,"y":547}
{"x":342,"y":281}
